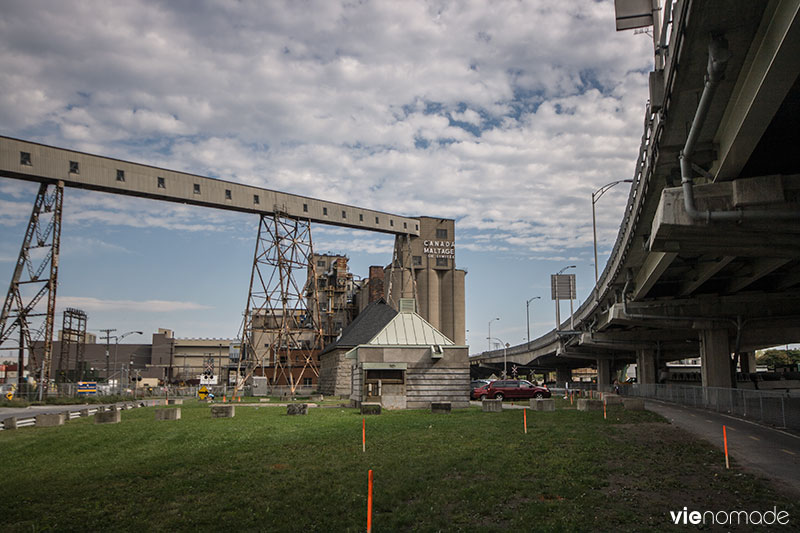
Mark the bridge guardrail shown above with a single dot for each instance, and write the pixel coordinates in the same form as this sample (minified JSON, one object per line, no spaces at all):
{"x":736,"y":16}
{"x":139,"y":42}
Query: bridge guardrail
{"x":779,"y":409}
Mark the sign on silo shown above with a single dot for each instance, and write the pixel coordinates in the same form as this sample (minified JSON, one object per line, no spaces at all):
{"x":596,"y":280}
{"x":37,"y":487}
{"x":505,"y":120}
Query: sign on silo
{"x":562,"y":286}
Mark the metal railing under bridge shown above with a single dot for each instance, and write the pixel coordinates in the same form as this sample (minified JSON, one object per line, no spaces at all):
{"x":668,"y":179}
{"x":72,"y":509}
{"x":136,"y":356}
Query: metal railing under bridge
{"x":779,"y":409}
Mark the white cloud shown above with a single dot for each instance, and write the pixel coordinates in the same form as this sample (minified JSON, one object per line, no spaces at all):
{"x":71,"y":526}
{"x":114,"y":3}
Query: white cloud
{"x":146,"y":306}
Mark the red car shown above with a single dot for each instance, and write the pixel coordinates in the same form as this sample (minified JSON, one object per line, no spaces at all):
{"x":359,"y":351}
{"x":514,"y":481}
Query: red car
{"x":511,"y":389}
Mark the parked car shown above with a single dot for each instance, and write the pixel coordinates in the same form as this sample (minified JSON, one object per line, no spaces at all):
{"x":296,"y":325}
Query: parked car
{"x":476,"y":384}
{"x":511,"y":389}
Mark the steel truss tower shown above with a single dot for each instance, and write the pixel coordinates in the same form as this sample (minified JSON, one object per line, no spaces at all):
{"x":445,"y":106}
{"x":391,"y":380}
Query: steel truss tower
{"x":35,"y":281}
{"x":73,"y":333}
{"x":279,"y":329}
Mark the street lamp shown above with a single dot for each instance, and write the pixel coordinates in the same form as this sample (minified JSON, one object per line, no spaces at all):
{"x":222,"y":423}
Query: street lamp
{"x":528,"y":315}
{"x":505,"y":350}
{"x":596,"y":196}
{"x":116,"y":349}
{"x":558,"y":301}
{"x":490,"y":332}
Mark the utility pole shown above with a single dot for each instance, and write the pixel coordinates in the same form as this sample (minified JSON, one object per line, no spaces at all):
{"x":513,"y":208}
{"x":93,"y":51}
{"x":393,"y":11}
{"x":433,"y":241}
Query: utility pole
{"x":108,"y":346}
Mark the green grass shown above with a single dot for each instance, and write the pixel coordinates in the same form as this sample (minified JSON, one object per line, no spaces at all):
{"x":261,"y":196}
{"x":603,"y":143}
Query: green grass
{"x":266,"y":471}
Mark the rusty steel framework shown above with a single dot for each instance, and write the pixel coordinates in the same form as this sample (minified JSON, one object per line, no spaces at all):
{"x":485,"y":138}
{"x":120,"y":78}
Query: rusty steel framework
{"x":73,"y":334}
{"x":35,"y":277}
{"x":278,"y":329}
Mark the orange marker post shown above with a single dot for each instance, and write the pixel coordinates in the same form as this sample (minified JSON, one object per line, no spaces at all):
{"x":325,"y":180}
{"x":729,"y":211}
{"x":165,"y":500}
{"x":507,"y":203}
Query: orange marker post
{"x":369,"y":504}
{"x":571,"y":396}
{"x":604,"y":411}
{"x":224,"y":399}
{"x":525,"y":420}
{"x":364,"y":436}
{"x":725,"y":440}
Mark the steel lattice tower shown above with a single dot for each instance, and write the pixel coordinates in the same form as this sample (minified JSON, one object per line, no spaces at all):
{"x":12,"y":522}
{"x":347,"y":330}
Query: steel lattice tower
{"x":23,"y":307}
{"x":73,"y":333}
{"x":278,"y":327}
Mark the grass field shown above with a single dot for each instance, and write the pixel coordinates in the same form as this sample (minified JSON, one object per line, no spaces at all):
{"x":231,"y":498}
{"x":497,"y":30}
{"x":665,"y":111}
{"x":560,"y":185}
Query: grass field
{"x":467,"y":471}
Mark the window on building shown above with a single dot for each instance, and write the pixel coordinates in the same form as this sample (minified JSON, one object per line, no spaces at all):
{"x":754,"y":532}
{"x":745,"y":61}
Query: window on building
{"x":256,"y":199}
{"x":120,"y":175}
{"x":161,"y":183}
{"x":441,"y":233}
{"x":228,"y":195}
{"x":405,"y":225}
{"x":283,"y":359}
{"x":25,"y":159}
{"x":308,"y":382}
{"x":325,"y":211}
{"x":391,"y":222}
{"x":74,"y":167}
{"x":321,"y":263}
{"x":344,"y":214}
{"x":441,"y":262}
{"x":197,"y":188}
{"x":377,"y":220}
{"x":305,"y":208}
{"x":417,"y":260}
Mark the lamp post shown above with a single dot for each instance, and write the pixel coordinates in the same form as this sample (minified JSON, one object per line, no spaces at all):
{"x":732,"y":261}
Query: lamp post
{"x":596,"y":195}
{"x":505,"y":350}
{"x":490,"y":332}
{"x":116,"y":349}
{"x":558,"y":301}
{"x":528,"y":315}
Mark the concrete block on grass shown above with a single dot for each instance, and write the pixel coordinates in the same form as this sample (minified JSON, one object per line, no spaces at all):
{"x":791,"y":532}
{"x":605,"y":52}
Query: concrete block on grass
{"x":492,"y":406}
{"x":108,"y":417}
{"x":50,"y":420}
{"x":440,"y":408}
{"x":586,"y":404}
{"x":10,"y":423}
{"x":297,"y":409}
{"x":174,"y":402}
{"x":633,"y":404}
{"x":168,"y":413}
{"x":223,"y":411}
{"x":543,"y":404}
{"x":611,"y":399}
{"x":369,"y":408}
{"x":84,"y":412}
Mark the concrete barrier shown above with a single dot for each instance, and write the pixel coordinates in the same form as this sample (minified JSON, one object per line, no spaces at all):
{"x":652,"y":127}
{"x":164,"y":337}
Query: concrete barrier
{"x":174,"y":402}
{"x":611,"y":399}
{"x":223,"y":411}
{"x":84,"y":412}
{"x":492,"y":406}
{"x":441,"y":408}
{"x":368,"y":408}
{"x":168,"y":413}
{"x":49,"y":420}
{"x":543,"y":404}
{"x":585,"y":404}
{"x":108,"y":417}
{"x":633,"y":404}
{"x":297,"y":409}
{"x":10,"y":423}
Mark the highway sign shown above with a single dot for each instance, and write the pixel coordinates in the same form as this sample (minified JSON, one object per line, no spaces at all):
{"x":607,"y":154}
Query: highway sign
{"x":203,"y":392}
{"x":87,"y":387}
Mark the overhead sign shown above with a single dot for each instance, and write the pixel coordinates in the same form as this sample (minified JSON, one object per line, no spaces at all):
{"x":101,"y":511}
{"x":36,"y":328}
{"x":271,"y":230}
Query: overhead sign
{"x":203,"y":392}
{"x":87,"y":387}
{"x":632,"y":14}
{"x":562,"y":286}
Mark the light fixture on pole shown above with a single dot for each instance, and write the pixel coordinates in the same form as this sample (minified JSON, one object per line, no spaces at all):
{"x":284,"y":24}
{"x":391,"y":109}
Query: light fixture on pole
{"x":528,"y":315}
{"x":596,"y":195}
{"x":505,"y":355}
{"x":490,"y":332}
{"x":116,"y":349}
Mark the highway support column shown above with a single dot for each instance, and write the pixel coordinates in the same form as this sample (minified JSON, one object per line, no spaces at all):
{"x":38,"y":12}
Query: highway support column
{"x":604,"y":375}
{"x":563,"y":375}
{"x":646,"y":366}
{"x":715,"y":358}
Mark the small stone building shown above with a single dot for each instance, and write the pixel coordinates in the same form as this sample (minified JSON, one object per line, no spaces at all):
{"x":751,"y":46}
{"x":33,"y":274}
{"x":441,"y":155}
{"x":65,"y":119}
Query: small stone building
{"x":396,"y":359}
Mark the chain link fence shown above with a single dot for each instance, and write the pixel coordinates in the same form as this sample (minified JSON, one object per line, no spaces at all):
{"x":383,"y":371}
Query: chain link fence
{"x":779,"y":409}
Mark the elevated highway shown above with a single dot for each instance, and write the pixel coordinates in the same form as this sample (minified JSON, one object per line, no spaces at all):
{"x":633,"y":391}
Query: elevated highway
{"x":707,"y":258}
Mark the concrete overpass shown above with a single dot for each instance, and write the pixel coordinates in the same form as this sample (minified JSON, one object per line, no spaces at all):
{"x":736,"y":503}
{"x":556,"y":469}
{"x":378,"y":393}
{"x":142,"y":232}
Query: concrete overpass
{"x":707,"y":258}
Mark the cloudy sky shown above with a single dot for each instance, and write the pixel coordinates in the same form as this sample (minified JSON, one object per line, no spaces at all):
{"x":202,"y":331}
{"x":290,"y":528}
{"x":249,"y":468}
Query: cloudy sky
{"x":503,"y":115}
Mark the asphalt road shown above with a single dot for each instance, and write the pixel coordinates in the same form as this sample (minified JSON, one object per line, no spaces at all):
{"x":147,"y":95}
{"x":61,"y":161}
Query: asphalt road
{"x":758,"y":449}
